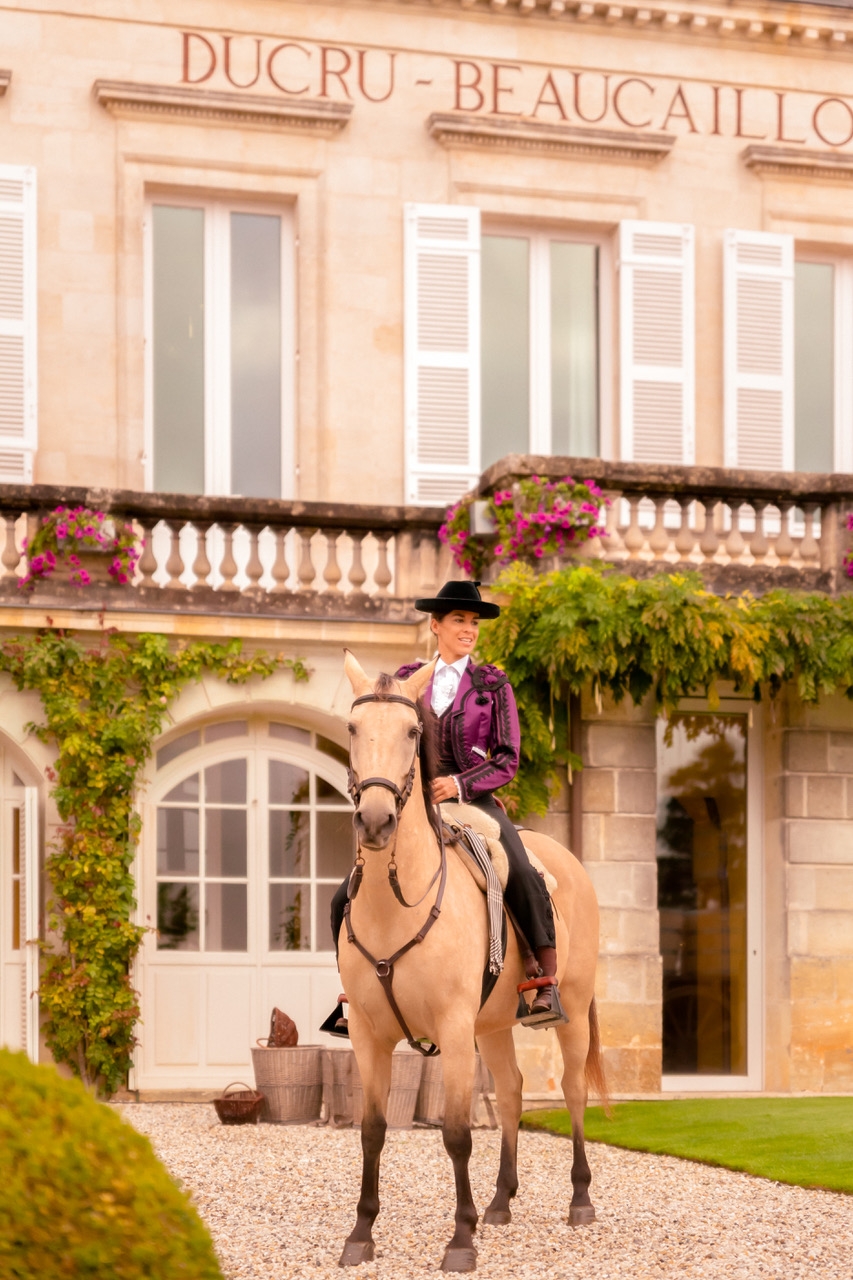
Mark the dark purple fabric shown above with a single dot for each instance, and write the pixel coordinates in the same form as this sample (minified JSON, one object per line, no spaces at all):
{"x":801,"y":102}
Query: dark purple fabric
{"x":483,"y":726}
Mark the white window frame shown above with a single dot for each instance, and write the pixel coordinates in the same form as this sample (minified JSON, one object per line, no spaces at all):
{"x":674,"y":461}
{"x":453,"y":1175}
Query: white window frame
{"x":843,"y":353}
{"x":540,"y":236}
{"x":753,"y":1080}
{"x":217,"y":364}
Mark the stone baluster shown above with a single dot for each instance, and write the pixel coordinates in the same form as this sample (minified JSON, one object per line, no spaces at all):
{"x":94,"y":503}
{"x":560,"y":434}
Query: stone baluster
{"x":147,"y":561}
{"x":685,"y":538}
{"x":633,"y":537}
{"x":307,"y":571}
{"x":201,"y":564}
{"x":11,"y":554}
{"x":614,"y":544}
{"x":758,"y":544}
{"x":357,"y":575}
{"x":254,"y":565}
{"x":709,"y":542}
{"x":809,"y":546}
{"x":280,"y":568}
{"x":784,"y":544}
{"x":659,"y":538}
{"x":332,"y":570}
{"x":175,"y":562}
{"x":735,"y":545}
{"x":228,"y":567}
{"x":382,"y":576}
{"x":832,"y":540}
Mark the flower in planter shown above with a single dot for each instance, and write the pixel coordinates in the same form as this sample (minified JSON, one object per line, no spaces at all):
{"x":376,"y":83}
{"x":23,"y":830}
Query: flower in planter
{"x":68,"y":531}
{"x":540,"y":518}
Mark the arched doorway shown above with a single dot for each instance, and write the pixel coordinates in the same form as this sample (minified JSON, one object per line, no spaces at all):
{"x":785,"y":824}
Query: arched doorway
{"x":247,"y":834}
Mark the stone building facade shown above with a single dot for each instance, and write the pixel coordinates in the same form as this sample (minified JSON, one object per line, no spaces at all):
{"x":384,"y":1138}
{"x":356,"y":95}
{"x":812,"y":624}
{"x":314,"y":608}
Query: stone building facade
{"x":278,"y":282}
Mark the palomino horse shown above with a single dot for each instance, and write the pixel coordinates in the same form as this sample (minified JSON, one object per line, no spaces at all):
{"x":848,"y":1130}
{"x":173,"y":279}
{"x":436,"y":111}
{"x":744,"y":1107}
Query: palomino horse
{"x":435,"y":959}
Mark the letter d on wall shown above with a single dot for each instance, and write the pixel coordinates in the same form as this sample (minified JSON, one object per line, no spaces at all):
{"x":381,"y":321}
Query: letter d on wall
{"x":208,"y":50}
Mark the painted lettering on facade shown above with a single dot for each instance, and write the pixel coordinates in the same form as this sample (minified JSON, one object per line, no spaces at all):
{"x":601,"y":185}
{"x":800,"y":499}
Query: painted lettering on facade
{"x":515,"y":90}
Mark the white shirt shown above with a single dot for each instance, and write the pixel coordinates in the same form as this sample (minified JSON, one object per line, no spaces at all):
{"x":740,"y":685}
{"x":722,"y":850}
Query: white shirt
{"x":445,"y":683}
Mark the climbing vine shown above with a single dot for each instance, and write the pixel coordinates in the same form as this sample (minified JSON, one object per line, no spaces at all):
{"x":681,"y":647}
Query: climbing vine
{"x":104,"y":705}
{"x":666,"y":635}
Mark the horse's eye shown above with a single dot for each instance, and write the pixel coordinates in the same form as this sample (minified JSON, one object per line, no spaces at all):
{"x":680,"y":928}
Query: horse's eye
{"x":351,"y":730}
{"x":413,"y":732}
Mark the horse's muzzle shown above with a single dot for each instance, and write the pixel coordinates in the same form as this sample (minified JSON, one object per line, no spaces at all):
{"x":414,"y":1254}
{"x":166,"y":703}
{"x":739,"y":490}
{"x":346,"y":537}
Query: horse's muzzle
{"x":375,"y":825}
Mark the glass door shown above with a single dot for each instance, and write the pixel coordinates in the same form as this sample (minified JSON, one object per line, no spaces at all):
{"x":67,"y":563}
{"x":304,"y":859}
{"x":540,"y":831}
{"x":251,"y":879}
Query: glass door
{"x":708,"y":856}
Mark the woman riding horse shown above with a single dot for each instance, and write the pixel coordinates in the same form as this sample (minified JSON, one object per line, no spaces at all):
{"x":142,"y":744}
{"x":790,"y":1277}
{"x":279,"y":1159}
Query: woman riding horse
{"x":476,"y":724}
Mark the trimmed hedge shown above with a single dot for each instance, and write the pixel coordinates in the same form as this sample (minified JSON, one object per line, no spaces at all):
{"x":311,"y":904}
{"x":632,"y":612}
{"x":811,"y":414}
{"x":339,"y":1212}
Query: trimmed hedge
{"x":82,"y":1193}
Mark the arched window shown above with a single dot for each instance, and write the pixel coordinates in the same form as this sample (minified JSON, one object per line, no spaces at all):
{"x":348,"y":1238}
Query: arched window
{"x":254,"y":834}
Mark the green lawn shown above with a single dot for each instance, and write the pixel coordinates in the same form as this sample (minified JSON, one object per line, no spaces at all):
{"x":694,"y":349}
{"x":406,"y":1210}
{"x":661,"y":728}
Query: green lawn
{"x":806,"y":1141}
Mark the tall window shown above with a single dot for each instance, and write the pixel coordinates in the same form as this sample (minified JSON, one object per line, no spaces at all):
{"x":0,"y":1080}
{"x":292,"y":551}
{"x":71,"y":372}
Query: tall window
{"x":540,"y":345}
{"x":221,"y":363}
{"x":815,"y":394}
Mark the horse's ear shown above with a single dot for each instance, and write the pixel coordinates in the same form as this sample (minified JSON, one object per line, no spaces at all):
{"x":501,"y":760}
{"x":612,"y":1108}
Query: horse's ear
{"x":416,"y":683}
{"x":355,"y":674}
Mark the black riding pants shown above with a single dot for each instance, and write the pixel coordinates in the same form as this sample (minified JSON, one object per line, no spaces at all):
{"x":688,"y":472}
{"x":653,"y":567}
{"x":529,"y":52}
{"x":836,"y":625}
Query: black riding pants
{"x":525,"y":894}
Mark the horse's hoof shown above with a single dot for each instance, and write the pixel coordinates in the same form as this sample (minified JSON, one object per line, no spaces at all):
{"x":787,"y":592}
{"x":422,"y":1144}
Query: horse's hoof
{"x":459,"y":1260}
{"x":580,"y":1215}
{"x":356,"y":1252}
{"x":497,"y":1217}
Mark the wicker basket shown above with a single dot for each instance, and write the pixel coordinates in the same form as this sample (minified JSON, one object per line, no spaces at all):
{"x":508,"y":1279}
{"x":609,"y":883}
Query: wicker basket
{"x":291,"y":1081}
{"x":243,"y":1107}
{"x":338,"y":1068}
{"x":429,"y":1108}
{"x":406,"y":1068}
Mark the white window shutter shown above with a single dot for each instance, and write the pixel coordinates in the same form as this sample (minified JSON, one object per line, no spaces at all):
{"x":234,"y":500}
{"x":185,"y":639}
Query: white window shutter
{"x":18,"y":335}
{"x":442,"y":351}
{"x":758,"y":316}
{"x":30,"y":920}
{"x":657,"y":342}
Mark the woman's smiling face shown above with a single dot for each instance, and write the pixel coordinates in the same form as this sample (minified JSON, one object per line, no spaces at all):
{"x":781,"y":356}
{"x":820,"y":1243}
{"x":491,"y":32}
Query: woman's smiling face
{"x":456,"y":633}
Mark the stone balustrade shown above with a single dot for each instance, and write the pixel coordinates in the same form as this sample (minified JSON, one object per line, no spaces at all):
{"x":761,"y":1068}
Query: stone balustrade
{"x":309,"y":559}
{"x":740,"y":529}
{"x":237,"y":555}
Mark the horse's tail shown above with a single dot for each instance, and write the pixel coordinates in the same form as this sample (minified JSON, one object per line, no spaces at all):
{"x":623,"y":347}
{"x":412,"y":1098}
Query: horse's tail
{"x":594,"y":1067}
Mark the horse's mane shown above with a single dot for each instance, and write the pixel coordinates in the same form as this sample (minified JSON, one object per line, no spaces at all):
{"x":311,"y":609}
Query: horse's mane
{"x":384,"y":687}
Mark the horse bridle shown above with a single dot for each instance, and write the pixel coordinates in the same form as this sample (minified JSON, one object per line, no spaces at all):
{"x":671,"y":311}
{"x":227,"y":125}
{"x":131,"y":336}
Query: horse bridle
{"x":384,"y":969}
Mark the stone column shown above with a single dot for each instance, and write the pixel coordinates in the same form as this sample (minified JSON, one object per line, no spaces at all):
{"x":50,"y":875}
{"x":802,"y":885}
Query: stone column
{"x":819,"y":821}
{"x":619,"y":799}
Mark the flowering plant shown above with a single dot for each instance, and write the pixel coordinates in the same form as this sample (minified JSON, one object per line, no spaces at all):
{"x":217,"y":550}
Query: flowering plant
{"x":67,"y":531}
{"x":540,"y":518}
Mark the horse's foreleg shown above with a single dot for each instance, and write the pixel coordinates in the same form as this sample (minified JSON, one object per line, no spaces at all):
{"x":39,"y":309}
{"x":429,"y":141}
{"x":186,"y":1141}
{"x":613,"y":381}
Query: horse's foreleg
{"x":498,"y":1053}
{"x":458,"y":1069}
{"x":574,"y":1045}
{"x":375,"y":1071}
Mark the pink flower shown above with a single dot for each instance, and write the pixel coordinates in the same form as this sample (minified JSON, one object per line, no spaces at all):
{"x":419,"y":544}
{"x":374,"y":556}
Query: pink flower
{"x":62,"y":530}
{"x":36,"y":564}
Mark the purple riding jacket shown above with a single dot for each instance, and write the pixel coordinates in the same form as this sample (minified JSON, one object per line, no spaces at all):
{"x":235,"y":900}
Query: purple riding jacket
{"x":484,"y":728}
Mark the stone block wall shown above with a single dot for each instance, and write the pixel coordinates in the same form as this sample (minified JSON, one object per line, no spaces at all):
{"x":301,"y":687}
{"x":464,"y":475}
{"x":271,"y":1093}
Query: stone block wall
{"x":619,"y":801}
{"x":818,"y":805}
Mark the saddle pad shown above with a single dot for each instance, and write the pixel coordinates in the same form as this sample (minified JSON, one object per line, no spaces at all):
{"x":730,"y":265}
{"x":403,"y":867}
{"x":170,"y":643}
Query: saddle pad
{"x":456,"y":815}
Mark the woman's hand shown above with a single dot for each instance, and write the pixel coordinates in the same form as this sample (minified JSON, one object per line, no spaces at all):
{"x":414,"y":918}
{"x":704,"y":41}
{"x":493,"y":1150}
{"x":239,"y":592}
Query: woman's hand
{"x":444,"y":789}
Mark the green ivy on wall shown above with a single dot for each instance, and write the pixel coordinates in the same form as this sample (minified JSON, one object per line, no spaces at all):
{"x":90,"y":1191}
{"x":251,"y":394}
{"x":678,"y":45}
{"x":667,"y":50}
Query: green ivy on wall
{"x":104,"y":706}
{"x":667,"y":635}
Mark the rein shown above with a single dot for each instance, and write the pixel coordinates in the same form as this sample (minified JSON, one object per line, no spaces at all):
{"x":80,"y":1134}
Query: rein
{"x":384,"y":969}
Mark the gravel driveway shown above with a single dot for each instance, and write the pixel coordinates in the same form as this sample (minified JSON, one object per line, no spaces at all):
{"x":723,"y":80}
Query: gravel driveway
{"x":279,"y":1202}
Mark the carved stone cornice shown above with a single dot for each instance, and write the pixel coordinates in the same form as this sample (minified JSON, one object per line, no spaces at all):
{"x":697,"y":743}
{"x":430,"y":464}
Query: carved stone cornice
{"x":804,"y":25}
{"x":794,"y":162}
{"x":455,"y":129}
{"x":123,"y":98}
{"x":5,"y":81}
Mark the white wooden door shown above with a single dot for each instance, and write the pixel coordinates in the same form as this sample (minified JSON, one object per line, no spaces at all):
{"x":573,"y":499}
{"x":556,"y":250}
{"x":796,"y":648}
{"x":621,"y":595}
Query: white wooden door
{"x":243,"y":845}
{"x":19,"y":922}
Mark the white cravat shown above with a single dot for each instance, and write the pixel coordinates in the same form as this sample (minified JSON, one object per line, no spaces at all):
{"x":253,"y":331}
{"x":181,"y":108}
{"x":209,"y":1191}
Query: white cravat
{"x":445,"y":682}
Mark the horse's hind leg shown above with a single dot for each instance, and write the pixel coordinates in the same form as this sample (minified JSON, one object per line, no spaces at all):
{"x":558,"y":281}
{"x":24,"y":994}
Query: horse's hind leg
{"x":498,"y":1053}
{"x":574,"y":1046}
{"x":375,"y":1070}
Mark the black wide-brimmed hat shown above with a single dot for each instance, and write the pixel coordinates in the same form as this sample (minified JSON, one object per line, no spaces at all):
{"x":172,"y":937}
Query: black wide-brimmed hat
{"x":459,"y":595}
